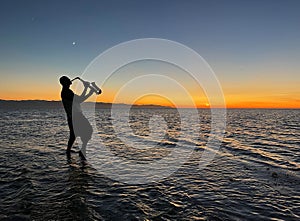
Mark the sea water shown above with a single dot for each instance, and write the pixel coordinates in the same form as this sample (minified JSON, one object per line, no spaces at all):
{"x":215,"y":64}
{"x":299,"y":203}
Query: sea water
{"x":254,"y":174}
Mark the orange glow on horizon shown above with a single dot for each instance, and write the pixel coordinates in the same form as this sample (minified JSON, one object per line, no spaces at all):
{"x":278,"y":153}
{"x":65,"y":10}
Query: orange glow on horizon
{"x":232,"y":101}
{"x":164,"y":102}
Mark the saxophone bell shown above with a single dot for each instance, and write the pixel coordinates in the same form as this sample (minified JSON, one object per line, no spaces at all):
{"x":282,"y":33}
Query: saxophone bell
{"x":96,"y":88}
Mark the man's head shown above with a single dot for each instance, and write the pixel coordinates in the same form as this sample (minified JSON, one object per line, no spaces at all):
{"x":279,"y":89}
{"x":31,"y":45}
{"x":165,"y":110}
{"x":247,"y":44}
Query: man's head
{"x":65,"y":81}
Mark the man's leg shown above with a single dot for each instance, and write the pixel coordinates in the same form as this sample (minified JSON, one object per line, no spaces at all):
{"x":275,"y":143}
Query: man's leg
{"x":72,"y":136}
{"x":85,"y":135}
{"x":71,"y":141}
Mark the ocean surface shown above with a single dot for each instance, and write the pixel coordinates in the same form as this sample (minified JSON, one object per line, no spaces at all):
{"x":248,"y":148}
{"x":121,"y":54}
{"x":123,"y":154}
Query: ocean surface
{"x":255,"y":175}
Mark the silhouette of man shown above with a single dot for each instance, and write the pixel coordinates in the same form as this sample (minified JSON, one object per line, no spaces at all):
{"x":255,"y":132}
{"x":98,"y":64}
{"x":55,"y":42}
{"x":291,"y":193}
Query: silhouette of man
{"x":78,"y":124}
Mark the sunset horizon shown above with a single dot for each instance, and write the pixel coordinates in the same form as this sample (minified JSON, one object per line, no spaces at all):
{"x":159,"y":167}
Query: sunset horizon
{"x":249,"y":105}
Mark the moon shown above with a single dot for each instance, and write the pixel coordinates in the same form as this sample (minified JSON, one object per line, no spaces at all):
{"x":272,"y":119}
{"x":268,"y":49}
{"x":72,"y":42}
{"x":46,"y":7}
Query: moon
{"x":73,"y":43}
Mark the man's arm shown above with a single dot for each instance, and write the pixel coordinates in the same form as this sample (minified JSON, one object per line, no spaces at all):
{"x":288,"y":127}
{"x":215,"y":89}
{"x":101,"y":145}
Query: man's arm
{"x":85,"y":84}
{"x":83,"y":95}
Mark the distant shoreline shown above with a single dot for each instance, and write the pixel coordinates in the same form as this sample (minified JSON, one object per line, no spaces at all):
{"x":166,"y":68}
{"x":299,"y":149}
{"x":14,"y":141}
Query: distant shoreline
{"x":26,"y":104}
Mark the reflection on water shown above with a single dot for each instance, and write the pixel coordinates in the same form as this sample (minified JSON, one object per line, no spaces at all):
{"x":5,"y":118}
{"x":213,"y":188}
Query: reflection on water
{"x":255,"y":175}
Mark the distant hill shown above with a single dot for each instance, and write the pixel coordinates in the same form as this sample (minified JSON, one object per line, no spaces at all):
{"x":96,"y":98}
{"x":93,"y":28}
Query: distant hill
{"x":39,"y":104}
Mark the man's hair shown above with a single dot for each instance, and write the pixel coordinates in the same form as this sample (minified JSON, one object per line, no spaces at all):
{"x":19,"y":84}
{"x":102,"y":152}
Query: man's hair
{"x":64,"y":80}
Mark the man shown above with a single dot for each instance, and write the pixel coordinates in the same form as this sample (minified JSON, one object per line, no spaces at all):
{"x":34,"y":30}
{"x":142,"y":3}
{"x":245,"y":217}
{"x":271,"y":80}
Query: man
{"x":78,"y":124}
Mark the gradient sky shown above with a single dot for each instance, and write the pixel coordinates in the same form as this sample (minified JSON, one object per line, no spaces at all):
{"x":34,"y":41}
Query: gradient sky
{"x":252,"y":46}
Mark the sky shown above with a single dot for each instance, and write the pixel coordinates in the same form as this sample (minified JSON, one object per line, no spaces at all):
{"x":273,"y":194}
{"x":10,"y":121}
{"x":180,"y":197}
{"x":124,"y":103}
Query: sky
{"x":253,"y":46}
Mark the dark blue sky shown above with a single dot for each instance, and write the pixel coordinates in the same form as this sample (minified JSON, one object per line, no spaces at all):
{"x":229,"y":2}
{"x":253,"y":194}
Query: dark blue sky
{"x":238,"y":38}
